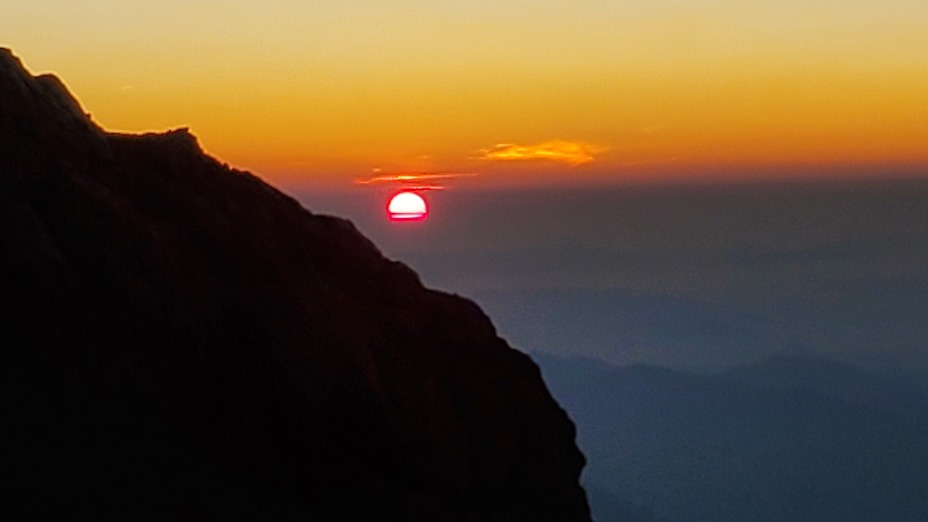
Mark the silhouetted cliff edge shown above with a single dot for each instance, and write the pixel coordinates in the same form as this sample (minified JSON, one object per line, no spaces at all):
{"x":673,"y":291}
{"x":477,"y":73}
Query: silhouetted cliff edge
{"x":181,"y":340}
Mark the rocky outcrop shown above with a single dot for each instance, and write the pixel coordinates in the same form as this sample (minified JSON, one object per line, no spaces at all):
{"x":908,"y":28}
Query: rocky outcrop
{"x":181,"y":340}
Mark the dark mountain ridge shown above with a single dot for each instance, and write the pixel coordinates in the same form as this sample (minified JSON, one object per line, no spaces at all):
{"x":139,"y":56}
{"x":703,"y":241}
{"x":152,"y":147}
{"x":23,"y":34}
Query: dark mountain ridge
{"x":181,"y":340}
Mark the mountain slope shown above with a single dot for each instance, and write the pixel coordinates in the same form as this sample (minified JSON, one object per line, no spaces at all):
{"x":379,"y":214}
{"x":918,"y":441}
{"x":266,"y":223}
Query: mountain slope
{"x":184,"y":341}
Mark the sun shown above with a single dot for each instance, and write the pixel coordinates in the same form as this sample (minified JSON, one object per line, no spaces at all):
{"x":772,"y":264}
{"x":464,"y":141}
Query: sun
{"x":407,"y":206}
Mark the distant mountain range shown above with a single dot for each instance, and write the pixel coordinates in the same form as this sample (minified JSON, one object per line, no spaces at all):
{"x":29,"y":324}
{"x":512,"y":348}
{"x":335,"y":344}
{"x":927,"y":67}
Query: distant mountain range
{"x":790,"y":438}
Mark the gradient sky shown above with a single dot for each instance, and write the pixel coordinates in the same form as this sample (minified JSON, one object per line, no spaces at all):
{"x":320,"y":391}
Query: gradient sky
{"x":516,"y":91}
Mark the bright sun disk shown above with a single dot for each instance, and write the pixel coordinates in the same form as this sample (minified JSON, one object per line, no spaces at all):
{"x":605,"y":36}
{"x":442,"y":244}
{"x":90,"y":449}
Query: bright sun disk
{"x":407,"y":206}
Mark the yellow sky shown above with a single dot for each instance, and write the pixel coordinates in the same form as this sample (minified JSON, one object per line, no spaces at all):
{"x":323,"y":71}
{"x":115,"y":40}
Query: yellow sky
{"x":328,"y":91}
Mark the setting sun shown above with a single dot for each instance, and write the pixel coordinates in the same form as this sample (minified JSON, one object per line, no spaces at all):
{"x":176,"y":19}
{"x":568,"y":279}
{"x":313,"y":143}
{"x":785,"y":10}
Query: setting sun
{"x":407,"y":206}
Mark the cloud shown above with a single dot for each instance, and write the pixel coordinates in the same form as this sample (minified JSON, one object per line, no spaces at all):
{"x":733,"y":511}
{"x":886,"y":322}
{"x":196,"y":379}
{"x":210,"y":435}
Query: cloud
{"x":427,"y":179}
{"x":570,"y":152}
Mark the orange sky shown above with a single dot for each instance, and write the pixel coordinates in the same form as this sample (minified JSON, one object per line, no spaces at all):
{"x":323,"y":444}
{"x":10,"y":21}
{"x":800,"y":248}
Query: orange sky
{"x":322,"y":93}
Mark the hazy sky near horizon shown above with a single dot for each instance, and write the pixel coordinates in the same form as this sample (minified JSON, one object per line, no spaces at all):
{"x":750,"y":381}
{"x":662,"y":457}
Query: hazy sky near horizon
{"x":696,"y":277}
{"x":515,"y":91}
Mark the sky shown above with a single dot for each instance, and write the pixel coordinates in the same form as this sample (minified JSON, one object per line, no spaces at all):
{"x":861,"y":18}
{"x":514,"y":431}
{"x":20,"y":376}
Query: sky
{"x":323,"y":93}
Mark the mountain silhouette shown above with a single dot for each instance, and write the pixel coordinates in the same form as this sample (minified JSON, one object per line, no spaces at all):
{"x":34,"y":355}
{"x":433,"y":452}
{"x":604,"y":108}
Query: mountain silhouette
{"x":789,"y":438}
{"x":182,"y":341}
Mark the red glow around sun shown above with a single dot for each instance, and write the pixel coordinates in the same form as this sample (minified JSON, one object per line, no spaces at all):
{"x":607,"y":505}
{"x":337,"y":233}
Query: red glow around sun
{"x":407,"y":206}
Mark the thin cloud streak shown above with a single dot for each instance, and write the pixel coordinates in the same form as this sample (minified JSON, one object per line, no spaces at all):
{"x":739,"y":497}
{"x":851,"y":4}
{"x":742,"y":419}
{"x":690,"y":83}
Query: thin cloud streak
{"x":571,"y":152}
{"x":412,"y":177}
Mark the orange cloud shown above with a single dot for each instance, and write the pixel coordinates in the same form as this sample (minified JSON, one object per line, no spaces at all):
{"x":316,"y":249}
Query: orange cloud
{"x":412,"y":177}
{"x":571,"y":152}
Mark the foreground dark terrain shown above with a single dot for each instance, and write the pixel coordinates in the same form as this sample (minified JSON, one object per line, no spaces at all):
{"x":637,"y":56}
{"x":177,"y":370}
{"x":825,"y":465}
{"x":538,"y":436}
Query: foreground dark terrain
{"x":181,"y":340}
